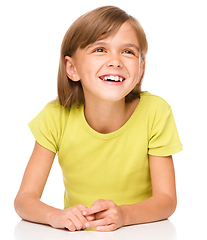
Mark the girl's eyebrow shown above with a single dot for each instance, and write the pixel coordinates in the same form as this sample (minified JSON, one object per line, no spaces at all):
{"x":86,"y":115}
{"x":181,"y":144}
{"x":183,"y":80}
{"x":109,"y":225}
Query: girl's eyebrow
{"x":98,"y":43}
{"x":132,"y":45}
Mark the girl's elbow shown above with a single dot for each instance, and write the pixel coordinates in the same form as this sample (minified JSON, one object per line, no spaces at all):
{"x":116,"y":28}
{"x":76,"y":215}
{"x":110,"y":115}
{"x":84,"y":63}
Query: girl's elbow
{"x":17,"y":204}
{"x":172,"y":205}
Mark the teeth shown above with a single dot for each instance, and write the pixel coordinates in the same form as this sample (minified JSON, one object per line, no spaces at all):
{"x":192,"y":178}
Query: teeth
{"x":113,"y":78}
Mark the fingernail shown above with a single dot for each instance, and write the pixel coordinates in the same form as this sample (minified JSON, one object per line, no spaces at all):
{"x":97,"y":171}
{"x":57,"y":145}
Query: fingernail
{"x":98,"y":228}
{"x":84,"y":213}
{"x":87,"y":225}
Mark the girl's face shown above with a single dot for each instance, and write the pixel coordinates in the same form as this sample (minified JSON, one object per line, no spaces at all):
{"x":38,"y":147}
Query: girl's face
{"x":108,"y":69}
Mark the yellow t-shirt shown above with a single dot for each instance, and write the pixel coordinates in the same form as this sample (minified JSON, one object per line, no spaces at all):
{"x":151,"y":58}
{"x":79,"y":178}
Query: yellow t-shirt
{"x":107,"y":166}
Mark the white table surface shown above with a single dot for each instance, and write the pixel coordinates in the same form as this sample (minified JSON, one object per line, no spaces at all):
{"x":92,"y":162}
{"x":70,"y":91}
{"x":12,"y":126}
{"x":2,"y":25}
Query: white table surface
{"x":164,"y":230}
{"x":158,"y":231}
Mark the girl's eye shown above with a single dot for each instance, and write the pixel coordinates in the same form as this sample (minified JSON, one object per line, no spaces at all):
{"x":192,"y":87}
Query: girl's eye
{"x":99,"y":50}
{"x":129,"y":52}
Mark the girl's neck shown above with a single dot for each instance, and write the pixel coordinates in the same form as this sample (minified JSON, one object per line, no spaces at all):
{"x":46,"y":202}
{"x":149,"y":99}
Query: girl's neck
{"x":109,"y":117}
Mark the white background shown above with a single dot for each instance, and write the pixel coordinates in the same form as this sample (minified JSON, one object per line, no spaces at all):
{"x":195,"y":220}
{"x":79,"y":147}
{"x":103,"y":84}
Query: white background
{"x":31,"y":35}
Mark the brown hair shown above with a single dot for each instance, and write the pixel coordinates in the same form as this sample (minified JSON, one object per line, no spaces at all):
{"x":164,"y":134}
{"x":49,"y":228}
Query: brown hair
{"x":96,"y":24}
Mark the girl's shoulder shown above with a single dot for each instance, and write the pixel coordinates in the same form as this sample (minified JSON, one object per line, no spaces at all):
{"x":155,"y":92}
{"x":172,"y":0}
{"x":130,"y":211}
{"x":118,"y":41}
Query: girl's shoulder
{"x":54,"y":110}
{"x":49,"y":125}
{"x":54,"y":105}
{"x":151,"y":98}
{"x":152,"y":101}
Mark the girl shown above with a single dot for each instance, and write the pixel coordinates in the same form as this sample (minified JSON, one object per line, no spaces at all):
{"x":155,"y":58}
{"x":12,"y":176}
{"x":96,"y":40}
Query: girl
{"x":114,"y":142}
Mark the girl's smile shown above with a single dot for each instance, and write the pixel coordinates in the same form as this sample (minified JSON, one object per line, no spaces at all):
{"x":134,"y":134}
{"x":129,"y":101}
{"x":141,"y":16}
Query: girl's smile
{"x":112,"y":78}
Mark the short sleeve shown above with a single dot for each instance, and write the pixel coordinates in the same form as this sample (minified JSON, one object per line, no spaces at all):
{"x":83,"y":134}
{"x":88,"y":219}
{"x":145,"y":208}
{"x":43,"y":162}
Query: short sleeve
{"x":164,"y":139}
{"x":47,"y":126}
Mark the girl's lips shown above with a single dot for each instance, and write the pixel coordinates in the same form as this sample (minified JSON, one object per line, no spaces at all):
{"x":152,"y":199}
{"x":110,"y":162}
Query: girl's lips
{"x":112,"y":78}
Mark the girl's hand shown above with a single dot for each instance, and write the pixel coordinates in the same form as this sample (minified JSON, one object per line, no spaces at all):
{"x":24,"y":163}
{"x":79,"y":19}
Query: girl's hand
{"x":70,"y":218}
{"x":108,"y":216}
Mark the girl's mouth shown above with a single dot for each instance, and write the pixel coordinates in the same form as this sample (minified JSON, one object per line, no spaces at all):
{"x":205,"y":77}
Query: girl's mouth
{"x":112,"y":78}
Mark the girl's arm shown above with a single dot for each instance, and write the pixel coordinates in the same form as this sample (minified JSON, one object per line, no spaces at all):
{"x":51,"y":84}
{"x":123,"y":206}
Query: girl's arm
{"x":28,"y":204}
{"x":163,"y":202}
{"x":160,"y":206}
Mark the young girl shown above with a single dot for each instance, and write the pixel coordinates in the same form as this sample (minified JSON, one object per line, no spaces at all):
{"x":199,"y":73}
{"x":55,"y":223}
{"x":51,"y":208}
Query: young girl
{"x":114,"y":142}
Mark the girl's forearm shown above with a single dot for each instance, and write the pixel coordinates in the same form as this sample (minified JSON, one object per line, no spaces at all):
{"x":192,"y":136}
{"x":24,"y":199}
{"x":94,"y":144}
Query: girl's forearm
{"x":30,"y":208}
{"x":154,"y":209}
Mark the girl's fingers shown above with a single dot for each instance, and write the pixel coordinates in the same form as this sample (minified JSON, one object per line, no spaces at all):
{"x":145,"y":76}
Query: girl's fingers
{"x":108,"y":228}
{"x":101,"y":225}
{"x":98,"y":206}
{"x":79,"y":221}
{"x":70,"y":226}
{"x":76,"y":218}
{"x":107,"y":216}
{"x":90,"y":217}
{"x":101,"y":222}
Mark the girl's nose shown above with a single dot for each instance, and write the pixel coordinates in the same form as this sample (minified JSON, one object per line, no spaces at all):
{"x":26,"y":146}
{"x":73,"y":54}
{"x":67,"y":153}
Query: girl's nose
{"x":114,"y":61}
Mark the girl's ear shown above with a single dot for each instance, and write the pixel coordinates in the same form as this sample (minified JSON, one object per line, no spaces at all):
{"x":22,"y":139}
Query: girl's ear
{"x":71,"y":70}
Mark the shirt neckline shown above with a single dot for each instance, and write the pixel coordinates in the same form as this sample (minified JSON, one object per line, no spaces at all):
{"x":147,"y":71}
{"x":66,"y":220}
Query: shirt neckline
{"x":115,"y":133}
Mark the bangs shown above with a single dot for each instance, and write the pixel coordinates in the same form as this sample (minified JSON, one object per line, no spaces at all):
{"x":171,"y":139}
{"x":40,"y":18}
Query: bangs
{"x":106,"y":24}
{"x":92,"y":26}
